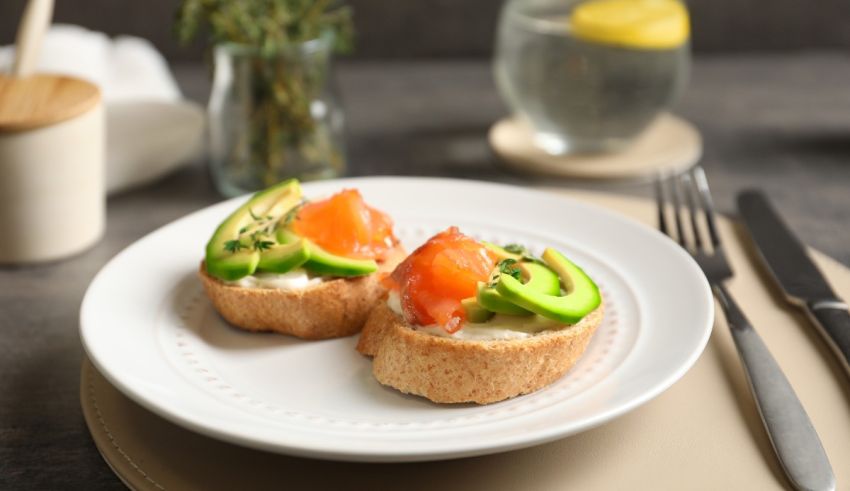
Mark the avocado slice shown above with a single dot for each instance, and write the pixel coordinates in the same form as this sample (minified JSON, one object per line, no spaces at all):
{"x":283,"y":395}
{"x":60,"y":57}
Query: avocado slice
{"x":539,"y":279}
{"x":475,"y":312}
{"x":582,"y":295}
{"x":284,"y":257}
{"x":490,"y":299}
{"x":229,"y":253}
{"x":501,"y":252}
{"x":323,"y":262}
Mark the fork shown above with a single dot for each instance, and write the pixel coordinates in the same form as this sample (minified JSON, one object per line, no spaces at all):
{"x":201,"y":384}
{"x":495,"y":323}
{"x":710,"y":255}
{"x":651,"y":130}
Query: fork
{"x":791,"y":433}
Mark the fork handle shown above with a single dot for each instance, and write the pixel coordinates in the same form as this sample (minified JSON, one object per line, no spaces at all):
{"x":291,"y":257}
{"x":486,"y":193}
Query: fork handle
{"x":788,"y":426}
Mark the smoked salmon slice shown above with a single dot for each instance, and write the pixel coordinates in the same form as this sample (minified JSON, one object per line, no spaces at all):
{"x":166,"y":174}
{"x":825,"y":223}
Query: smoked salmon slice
{"x":346,"y":226}
{"x":433,"y":280}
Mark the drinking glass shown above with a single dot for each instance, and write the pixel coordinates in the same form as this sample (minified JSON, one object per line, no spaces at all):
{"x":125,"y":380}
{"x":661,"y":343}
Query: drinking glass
{"x":591,"y":75}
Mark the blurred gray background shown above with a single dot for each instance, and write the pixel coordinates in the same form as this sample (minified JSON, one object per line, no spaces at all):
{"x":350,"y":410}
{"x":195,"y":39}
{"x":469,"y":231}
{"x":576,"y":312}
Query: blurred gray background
{"x":465,"y":28}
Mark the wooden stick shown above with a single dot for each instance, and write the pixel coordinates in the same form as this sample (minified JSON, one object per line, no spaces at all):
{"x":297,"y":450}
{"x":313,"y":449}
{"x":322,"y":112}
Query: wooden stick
{"x":34,"y":23}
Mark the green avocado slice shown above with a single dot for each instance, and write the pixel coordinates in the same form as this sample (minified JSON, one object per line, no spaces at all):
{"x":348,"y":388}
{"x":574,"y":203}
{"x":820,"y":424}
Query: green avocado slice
{"x":475,"y":312}
{"x":233,"y":266}
{"x":540,"y":279}
{"x":229,"y":254}
{"x":284,"y":257}
{"x":501,"y":252}
{"x":490,"y":299}
{"x":324,"y":263}
{"x":582,"y":295}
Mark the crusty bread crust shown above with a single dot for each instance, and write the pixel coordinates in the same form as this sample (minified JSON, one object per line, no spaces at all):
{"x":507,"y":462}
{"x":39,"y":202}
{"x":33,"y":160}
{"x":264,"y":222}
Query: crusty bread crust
{"x":448,"y":370}
{"x":334,"y":308}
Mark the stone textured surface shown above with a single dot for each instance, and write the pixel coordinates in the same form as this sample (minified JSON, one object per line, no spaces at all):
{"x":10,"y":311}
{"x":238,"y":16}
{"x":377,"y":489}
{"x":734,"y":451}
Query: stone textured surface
{"x":781,"y":122}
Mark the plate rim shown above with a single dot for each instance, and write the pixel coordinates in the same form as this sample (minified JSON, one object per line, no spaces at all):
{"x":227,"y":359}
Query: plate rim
{"x":313,"y":450}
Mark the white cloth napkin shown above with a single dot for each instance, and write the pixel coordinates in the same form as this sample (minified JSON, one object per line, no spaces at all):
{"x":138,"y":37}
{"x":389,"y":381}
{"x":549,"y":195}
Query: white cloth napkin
{"x":125,"y":68}
{"x":151,"y":129}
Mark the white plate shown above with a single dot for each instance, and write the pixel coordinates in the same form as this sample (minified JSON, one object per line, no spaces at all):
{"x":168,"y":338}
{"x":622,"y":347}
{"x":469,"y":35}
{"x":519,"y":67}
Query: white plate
{"x":150,"y":330}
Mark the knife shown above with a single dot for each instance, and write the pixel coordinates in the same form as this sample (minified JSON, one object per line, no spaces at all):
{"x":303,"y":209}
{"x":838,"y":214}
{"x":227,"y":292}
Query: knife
{"x":798,"y":277}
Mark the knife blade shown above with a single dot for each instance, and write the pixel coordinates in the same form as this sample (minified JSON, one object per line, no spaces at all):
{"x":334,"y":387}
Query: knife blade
{"x":793,"y":270}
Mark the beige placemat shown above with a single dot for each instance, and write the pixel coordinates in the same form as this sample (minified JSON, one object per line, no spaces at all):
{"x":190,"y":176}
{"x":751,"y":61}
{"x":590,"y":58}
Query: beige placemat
{"x":702,"y":434}
{"x":670,"y":144}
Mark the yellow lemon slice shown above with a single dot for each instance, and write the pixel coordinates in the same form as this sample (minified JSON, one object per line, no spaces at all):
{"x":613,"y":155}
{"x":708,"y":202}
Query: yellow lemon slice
{"x":641,"y":24}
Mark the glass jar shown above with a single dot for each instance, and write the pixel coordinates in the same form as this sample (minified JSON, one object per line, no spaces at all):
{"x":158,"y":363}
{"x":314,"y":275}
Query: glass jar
{"x":273,"y":117}
{"x":590,"y":75}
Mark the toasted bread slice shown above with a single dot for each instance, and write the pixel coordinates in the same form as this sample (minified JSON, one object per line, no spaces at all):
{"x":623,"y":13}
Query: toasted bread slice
{"x":335,"y":308}
{"x":448,"y":370}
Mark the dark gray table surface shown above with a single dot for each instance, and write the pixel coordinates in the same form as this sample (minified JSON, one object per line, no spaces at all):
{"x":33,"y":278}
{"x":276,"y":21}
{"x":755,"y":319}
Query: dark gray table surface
{"x":781,"y":122}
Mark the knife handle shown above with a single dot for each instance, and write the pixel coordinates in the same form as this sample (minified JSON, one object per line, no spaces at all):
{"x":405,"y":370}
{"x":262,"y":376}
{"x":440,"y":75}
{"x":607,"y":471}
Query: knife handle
{"x":833,"y":321}
{"x":791,"y":433}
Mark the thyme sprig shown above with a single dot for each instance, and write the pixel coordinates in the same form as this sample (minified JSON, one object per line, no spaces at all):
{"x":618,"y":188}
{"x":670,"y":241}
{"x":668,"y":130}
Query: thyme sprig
{"x":269,"y":25}
{"x":509,"y":267}
{"x":292,"y":214}
{"x":234,"y":246}
{"x":262,"y":245}
{"x":516,"y":249}
{"x":259,"y":234}
{"x":505,"y":266}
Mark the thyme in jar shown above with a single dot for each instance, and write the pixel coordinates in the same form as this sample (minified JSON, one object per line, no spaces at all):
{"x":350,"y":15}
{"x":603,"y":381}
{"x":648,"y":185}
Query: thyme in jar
{"x":283,"y":84}
{"x":268,"y":25}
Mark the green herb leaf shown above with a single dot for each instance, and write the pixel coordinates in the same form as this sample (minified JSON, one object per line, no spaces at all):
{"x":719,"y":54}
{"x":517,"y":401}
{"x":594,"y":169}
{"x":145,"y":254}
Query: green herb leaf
{"x":509,"y":267}
{"x":233,"y":246}
{"x":516,"y":249}
{"x":261,"y":245}
{"x":291,"y":214}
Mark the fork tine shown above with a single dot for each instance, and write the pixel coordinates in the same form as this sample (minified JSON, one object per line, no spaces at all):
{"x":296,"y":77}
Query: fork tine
{"x":677,"y":211}
{"x":687,"y":184}
{"x":659,"y":201}
{"x":707,"y":204}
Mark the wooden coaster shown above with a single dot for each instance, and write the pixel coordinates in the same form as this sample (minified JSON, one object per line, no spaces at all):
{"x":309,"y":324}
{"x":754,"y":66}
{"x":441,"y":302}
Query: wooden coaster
{"x":702,"y":433}
{"x":669,"y":145}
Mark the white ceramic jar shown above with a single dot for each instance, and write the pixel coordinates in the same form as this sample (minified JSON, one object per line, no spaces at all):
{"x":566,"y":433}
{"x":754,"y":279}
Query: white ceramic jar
{"x":52,"y":193}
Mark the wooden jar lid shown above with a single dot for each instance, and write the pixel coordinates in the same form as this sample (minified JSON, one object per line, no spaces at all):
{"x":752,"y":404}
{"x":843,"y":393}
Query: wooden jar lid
{"x":43,"y":100}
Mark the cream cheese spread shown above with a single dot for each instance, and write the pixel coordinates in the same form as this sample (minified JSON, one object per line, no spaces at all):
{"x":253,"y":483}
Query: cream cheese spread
{"x":297,"y":279}
{"x":497,"y":328}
